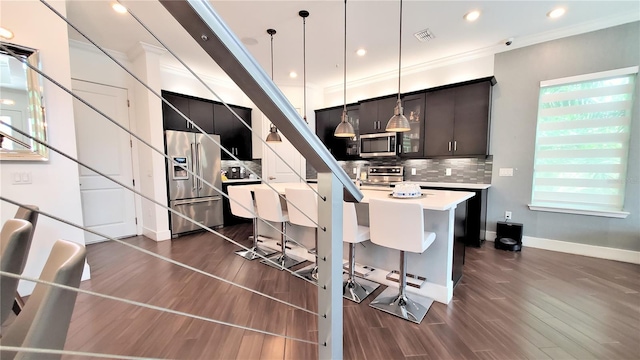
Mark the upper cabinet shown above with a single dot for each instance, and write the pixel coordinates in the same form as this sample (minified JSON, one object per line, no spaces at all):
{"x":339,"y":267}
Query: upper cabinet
{"x":234,"y":135}
{"x":213,"y":118}
{"x":374,"y":114}
{"x":412,"y":141}
{"x":326,"y":122}
{"x":457,"y":120}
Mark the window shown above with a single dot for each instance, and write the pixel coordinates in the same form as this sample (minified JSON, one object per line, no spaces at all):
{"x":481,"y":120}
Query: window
{"x":582,"y":143}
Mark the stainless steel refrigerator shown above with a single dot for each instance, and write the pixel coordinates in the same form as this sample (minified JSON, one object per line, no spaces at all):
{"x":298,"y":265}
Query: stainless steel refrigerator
{"x":189,"y":195}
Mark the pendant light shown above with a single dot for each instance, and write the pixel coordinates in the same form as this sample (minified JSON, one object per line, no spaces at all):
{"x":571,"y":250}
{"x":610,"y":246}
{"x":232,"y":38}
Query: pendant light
{"x":345,"y":129}
{"x":273,"y":135}
{"x":399,"y":122}
{"x":304,"y":14}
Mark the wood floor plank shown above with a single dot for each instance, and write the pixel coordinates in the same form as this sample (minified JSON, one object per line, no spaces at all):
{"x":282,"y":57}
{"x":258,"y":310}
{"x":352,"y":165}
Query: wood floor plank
{"x":531,"y":304}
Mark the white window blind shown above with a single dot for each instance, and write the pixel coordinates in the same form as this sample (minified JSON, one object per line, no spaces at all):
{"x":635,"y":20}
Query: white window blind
{"x":582,"y":141}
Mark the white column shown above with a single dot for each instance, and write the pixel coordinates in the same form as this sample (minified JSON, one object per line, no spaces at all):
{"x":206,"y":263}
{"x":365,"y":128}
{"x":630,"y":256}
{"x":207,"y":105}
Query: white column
{"x":148,"y":113}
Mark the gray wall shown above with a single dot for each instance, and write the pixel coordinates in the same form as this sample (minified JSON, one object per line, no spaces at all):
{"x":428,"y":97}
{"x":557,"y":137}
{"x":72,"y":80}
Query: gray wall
{"x":515,"y":102}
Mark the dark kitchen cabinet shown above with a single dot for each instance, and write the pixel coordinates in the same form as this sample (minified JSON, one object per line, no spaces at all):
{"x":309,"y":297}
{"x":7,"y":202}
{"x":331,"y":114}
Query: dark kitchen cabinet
{"x":172,"y":120}
{"x":234,"y":135}
{"x":475,"y":215}
{"x":412,"y":141}
{"x":374,"y":114}
{"x":457,"y":120}
{"x":199,"y":111}
{"x":326,"y":122}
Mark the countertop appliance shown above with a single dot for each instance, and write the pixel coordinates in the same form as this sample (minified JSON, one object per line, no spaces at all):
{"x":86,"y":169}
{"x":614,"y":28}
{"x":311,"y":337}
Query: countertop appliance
{"x":236,"y":172}
{"x":384,"y":175}
{"x":189,"y":195}
{"x":378,"y":145}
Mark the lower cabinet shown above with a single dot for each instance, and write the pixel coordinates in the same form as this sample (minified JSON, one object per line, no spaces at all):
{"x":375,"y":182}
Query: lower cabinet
{"x":476,"y":216}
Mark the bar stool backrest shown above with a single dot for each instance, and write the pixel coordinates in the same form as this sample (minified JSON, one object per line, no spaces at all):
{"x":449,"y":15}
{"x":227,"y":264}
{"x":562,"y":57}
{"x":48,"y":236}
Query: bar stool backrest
{"x":305,"y":211}
{"x":269,"y":206}
{"x":241,"y":200}
{"x":15,"y":241}
{"x":349,"y":223}
{"x":44,"y":321}
{"x":397,"y":225}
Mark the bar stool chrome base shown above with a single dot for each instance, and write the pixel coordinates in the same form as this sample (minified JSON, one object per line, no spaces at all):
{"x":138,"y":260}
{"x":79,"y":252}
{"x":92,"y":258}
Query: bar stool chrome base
{"x":253,"y":253}
{"x":309,"y":272}
{"x":357,"y":291}
{"x":390,"y":301}
{"x":282,"y":261}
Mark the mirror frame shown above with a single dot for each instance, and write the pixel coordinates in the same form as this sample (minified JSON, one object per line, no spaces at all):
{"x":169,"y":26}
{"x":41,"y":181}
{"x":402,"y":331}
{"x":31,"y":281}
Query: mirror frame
{"x":37,"y":152}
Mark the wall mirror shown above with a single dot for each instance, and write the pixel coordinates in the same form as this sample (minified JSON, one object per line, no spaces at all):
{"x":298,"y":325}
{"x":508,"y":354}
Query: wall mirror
{"x":21,"y":105}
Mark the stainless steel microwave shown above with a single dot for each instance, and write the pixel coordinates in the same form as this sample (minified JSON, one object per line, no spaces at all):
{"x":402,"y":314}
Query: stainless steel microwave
{"x":380,"y":144}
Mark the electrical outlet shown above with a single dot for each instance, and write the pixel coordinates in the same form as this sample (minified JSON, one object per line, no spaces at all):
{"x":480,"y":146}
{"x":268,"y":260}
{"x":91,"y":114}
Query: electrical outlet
{"x":505,"y":172}
{"x":413,"y":171}
{"x":507,"y":215}
{"x":355,"y":171}
{"x":447,"y":172}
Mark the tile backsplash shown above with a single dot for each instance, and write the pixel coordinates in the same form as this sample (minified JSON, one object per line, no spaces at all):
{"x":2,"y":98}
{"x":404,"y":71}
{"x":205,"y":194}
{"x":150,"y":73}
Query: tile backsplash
{"x":255,"y":165}
{"x":467,"y":170}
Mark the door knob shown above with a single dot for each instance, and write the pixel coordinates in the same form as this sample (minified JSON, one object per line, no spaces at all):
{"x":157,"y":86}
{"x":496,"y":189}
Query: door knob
{"x":272,"y":177}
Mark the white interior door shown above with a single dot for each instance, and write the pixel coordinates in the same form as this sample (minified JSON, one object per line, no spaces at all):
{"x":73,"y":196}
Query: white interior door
{"x":106,"y":206}
{"x":274,"y":168}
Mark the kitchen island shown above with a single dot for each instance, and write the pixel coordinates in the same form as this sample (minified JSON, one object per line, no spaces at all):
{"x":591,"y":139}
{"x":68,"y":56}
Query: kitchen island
{"x":444,"y":213}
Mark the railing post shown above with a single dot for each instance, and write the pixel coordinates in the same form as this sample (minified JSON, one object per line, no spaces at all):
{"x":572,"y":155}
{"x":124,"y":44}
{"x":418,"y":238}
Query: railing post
{"x":330,"y":267}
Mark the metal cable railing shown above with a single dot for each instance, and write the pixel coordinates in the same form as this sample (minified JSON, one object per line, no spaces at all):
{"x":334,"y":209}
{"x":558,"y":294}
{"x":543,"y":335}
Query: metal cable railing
{"x":330,"y":322}
{"x":156,"y":150}
{"x":159,"y":96}
{"x":164,"y":258}
{"x":152,"y":307}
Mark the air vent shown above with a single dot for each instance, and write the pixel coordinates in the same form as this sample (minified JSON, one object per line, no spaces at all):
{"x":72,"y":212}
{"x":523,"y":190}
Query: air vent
{"x":424,"y":35}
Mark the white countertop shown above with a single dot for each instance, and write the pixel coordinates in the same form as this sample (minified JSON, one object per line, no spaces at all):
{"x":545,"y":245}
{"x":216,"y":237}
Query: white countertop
{"x":428,"y":184}
{"x":440,"y":200}
{"x":231,"y":181}
{"x":434,"y":200}
{"x":451,"y":185}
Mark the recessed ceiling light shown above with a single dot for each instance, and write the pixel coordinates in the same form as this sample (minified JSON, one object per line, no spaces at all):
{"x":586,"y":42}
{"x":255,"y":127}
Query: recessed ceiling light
{"x":293,"y":74}
{"x":6,"y":33}
{"x":361,"y":52}
{"x":556,"y":13}
{"x":472,"y":15}
{"x":119,"y":8}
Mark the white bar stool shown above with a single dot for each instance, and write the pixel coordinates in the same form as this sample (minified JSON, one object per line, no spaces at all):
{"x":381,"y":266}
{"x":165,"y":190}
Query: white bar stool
{"x":353,"y":234}
{"x":400,"y":225}
{"x":242,"y":205}
{"x":270,"y":209}
{"x":304,"y":212}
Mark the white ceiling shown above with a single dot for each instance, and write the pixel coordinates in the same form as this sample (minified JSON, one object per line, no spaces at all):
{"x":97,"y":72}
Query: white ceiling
{"x":373,"y":25}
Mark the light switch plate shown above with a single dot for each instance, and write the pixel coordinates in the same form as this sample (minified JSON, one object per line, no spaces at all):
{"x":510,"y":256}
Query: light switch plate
{"x":413,"y":171}
{"x":506,"y":172}
{"x":447,"y":172}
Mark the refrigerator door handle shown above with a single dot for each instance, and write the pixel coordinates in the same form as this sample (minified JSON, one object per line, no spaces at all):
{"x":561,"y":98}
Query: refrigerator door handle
{"x":193,"y":168}
{"x":198,"y":200}
{"x":198,"y":153}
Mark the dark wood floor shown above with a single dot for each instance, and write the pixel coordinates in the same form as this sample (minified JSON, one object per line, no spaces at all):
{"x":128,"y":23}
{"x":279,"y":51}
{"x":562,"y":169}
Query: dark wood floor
{"x":531,"y":305}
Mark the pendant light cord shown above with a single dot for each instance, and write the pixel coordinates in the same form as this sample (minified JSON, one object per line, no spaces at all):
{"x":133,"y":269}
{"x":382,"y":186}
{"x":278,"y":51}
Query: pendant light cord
{"x":399,"y":51}
{"x":271,"y":57}
{"x":304,"y":67}
{"x":345,"y":56}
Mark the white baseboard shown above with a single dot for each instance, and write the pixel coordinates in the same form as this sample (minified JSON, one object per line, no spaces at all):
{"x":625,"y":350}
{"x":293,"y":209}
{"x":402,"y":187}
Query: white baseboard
{"x":156,"y":235}
{"x":595,"y":251}
{"x":86,"y":272}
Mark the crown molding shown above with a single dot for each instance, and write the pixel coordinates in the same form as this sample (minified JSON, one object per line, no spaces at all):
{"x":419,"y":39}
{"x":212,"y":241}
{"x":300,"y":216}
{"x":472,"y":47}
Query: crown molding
{"x":577,"y":29}
{"x":81,"y":45}
{"x":181,"y":71}
{"x":145,"y":48}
